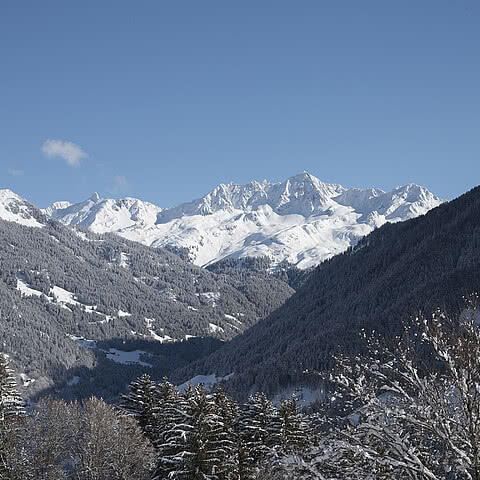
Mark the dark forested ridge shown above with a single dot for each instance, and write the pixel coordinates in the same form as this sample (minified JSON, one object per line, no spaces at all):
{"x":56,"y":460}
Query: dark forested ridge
{"x":390,"y":275}
{"x":60,"y":287}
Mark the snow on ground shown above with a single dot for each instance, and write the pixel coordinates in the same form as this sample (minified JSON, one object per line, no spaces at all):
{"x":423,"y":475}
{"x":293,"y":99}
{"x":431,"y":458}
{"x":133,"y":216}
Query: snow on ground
{"x":81,"y":234}
{"x":304,"y":395}
{"x":63,"y":296}
{"x":190,"y":336}
{"x":215,"y":328}
{"x":211,"y":297}
{"x":235,"y":319}
{"x":208,"y":381}
{"x":232,"y":325}
{"x":121,"y":313}
{"x":169,"y":293}
{"x":124,"y":259}
{"x":14,"y":208}
{"x":120,"y":356}
{"x":192,"y":308}
{"x":26,"y":290}
{"x":302,"y":219}
{"x":153,"y":333}
{"x":83,"y":342}
{"x":26,"y":380}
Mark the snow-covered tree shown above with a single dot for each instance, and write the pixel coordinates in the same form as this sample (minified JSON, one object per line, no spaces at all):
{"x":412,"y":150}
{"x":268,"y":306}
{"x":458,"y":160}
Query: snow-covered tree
{"x":11,"y":403}
{"x":171,"y":428}
{"x":110,"y":445}
{"x":258,"y":426}
{"x":141,"y":402}
{"x":51,"y":432}
{"x":294,"y":430}
{"x":410,"y":422}
{"x":204,"y":439}
{"x":12,"y":459}
{"x":227,"y":439}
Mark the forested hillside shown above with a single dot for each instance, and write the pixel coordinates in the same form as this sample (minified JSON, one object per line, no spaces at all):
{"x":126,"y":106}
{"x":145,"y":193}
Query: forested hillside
{"x":395,"y":272}
{"x":72,"y":301}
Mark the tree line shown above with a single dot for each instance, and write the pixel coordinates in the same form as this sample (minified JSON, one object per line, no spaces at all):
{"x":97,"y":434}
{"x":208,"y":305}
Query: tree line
{"x":387,"y":415}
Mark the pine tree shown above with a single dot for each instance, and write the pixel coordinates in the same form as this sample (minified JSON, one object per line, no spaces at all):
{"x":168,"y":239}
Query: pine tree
{"x":141,"y":402}
{"x":196,"y":444}
{"x":294,"y":430}
{"x":257,"y":426}
{"x":227,"y":410}
{"x":170,"y":429}
{"x":203,"y":450}
{"x":11,"y":403}
{"x":12,"y":461}
{"x":245,"y":461}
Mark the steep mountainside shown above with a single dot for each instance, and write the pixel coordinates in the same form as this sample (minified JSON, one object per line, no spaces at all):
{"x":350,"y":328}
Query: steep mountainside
{"x":301,"y":220}
{"x":64,"y":292}
{"x":398,"y":270}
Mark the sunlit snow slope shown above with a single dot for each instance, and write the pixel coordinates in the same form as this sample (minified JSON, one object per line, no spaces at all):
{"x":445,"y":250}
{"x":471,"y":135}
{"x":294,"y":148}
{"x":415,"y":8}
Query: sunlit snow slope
{"x":301,"y":220}
{"x":15,"y":209}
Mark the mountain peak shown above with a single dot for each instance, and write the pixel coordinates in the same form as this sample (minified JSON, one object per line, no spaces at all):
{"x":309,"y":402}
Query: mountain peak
{"x":16,"y":209}
{"x":95,"y":197}
{"x":302,"y":219}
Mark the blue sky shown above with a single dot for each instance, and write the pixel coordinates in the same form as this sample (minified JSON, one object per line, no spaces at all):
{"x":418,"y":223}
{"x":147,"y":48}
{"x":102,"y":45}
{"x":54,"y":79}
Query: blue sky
{"x":163,"y":100}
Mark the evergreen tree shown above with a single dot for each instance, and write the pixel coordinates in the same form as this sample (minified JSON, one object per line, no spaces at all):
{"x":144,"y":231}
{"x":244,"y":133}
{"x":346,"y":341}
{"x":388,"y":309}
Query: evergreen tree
{"x":11,"y":403}
{"x":257,"y":426}
{"x":227,"y":410}
{"x":294,"y":430}
{"x":196,"y":441}
{"x":141,"y":402}
{"x":170,"y":426}
{"x":245,"y":461}
{"x":12,"y":461}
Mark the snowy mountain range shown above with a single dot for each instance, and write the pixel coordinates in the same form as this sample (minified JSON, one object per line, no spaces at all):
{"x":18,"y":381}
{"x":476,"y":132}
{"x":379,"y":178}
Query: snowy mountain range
{"x":301,"y":220}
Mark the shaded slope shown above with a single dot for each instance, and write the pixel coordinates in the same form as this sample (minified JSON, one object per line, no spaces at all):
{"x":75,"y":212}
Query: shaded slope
{"x":58,"y":285}
{"x":396,"y":271}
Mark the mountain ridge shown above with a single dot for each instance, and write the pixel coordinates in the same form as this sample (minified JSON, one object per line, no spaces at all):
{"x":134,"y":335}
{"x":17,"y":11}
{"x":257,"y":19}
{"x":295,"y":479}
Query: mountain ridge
{"x":301,"y":220}
{"x":396,"y":272}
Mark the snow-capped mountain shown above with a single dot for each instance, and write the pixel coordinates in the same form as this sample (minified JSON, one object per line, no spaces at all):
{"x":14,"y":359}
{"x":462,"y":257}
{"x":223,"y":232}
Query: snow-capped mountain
{"x":302,"y":220}
{"x":102,"y":215}
{"x":14,"y":208}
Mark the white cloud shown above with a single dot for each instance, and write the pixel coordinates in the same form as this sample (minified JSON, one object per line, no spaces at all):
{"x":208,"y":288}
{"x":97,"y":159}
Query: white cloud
{"x":15,"y":172}
{"x":69,"y":151}
{"x":119,"y":186}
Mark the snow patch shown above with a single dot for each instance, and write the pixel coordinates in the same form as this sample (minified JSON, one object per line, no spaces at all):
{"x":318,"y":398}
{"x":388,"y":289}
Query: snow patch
{"x":82,"y":341}
{"x":26,"y":380}
{"x":153,"y":333}
{"x":124,"y":259}
{"x":26,"y":290}
{"x":208,"y":381}
{"x":304,"y":395}
{"x":210,"y":297}
{"x":61,"y":295}
{"x":14,"y":208}
{"x":127,"y":358}
{"x":215,"y":328}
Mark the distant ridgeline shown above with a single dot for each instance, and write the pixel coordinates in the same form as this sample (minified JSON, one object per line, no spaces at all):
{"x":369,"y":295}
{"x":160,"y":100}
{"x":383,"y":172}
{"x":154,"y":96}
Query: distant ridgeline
{"x":84,"y":313}
{"x":393,"y":273}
